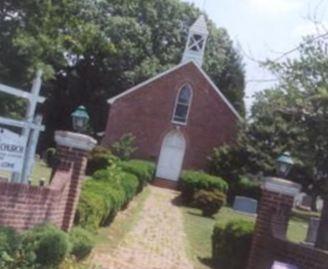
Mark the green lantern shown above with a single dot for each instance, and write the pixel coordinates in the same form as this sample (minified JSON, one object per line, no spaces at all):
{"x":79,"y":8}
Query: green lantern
{"x":80,"y":119}
{"x":284,"y":164}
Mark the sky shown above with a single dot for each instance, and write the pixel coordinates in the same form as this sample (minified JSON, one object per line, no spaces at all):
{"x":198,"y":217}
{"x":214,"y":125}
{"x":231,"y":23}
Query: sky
{"x":265,"y":29}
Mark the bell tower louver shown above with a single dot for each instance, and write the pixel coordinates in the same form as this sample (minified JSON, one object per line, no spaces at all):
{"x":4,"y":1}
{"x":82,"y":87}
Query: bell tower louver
{"x":196,"y":42}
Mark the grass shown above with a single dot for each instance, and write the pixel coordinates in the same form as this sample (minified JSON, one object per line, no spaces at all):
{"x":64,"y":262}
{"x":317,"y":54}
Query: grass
{"x":40,"y":171}
{"x":199,"y":231}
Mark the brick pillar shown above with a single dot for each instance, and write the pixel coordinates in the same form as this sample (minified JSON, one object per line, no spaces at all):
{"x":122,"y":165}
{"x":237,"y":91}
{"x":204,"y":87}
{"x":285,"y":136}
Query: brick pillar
{"x":272,"y":220}
{"x":72,"y":149}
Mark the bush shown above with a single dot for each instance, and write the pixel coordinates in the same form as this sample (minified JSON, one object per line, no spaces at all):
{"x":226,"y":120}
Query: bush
{"x":104,"y":195}
{"x":192,"y":181}
{"x":49,"y":244}
{"x":231,"y":244}
{"x":50,"y":157}
{"x":125,"y":147}
{"x":99,"y":158}
{"x":81,"y":242}
{"x":9,"y":240}
{"x":143,"y":170}
{"x":210,"y":202}
{"x":245,"y":187}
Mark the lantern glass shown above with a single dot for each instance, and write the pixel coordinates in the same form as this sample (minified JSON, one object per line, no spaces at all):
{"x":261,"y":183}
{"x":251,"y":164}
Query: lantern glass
{"x":284,"y":164}
{"x":80,"y":119}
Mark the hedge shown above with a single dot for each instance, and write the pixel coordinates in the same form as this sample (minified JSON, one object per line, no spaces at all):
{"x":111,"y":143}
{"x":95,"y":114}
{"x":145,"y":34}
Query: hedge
{"x":143,"y":170}
{"x":110,"y":190}
{"x":99,"y":158}
{"x":231,"y":244}
{"x":192,"y":181}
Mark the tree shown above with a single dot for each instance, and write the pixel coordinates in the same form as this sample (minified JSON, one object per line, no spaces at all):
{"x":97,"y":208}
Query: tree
{"x":292,"y":116}
{"x":93,"y":50}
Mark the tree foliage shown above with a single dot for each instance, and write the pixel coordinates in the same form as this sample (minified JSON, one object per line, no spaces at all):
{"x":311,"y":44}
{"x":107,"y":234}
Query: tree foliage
{"x":92,"y":50}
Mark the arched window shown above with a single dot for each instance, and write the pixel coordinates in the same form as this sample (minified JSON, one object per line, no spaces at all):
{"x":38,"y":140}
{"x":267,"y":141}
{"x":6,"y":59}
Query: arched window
{"x":182,"y":105}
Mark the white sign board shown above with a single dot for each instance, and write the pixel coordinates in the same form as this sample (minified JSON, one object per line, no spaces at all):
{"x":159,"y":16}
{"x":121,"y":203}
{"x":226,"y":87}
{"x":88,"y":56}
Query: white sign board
{"x":12,"y":151}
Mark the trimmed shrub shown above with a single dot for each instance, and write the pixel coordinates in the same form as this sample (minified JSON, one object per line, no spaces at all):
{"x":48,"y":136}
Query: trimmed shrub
{"x":192,"y":181}
{"x":125,"y":147}
{"x":231,"y":244}
{"x":143,"y":170}
{"x":91,"y":210}
{"x":244,"y":187}
{"x":104,"y":195}
{"x":99,"y":158}
{"x":81,"y":242}
{"x":210,"y":202}
{"x":50,"y":245}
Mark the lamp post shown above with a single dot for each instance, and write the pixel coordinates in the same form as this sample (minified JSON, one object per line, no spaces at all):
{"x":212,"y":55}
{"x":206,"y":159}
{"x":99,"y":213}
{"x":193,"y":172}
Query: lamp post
{"x":284,"y":164}
{"x":80,"y":119}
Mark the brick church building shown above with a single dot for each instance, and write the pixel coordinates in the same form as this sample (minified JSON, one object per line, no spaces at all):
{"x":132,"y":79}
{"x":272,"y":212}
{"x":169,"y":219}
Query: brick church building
{"x":178,"y":116}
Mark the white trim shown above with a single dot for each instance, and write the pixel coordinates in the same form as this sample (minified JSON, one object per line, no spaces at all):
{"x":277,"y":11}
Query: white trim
{"x":75,"y":140}
{"x":176,"y":104}
{"x":113,"y":99}
{"x":281,"y":186}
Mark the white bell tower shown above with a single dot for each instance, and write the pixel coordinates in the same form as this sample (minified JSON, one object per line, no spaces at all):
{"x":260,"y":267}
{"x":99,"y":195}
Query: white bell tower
{"x":196,"y":43}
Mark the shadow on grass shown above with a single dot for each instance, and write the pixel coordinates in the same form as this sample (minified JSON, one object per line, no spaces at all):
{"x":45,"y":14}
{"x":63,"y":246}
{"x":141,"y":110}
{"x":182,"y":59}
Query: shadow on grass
{"x":207,"y":262}
{"x":178,"y":201}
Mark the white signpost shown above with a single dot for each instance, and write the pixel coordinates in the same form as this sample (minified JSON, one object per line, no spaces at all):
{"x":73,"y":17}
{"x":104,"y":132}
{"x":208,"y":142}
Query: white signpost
{"x":17,"y":152}
{"x":12,"y":151}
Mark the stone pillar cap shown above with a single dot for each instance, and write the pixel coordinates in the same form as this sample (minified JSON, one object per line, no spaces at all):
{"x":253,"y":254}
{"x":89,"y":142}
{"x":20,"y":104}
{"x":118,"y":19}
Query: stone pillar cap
{"x":75,"y":140}
{"x":281,"y":186}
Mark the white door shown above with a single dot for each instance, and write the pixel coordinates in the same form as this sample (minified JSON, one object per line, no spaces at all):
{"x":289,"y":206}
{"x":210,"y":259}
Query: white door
{"x":171,"y":156}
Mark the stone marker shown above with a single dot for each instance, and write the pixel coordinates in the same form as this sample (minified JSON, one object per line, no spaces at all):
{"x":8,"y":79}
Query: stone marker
{"x":245,"y":205}
{"x":312,"y":232}
{"x":280,"y":265}
{"x":307,"y":201}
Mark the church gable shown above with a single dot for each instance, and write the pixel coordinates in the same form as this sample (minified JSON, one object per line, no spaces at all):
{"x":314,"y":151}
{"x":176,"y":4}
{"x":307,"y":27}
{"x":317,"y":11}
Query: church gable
{"x":181,"y":74}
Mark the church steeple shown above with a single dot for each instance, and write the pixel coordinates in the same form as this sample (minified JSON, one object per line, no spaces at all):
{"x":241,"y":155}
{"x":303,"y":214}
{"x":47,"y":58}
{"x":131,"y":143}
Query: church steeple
{"x":196,"y":43}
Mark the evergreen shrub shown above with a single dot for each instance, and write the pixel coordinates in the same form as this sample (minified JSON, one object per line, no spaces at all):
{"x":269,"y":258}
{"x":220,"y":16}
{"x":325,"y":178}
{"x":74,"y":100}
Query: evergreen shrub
{"x":81,"y":243}
{"x":231,"y":244}
{"x":50,"y":245}
{"x":108,"y":191}
{"x":209,"y":201}
{"x":143,"y":170}
{"x":99,"y":158}
{"x":192,"y":181}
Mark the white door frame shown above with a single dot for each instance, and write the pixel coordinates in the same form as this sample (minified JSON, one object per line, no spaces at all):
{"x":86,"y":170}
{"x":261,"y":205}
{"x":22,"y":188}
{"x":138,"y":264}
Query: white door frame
{"x":171,"y":156}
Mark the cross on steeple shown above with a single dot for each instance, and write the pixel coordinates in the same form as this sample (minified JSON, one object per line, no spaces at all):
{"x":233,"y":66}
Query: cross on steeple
{"x":196,"y":42}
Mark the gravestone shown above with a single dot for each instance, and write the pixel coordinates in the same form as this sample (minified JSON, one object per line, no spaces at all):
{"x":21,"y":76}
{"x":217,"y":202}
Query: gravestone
{"x":307,"y":201}
{"x":298,"y":199}
{"x":311,"y":236}
{"x":245,"y":205}
{"x":280,"y":265}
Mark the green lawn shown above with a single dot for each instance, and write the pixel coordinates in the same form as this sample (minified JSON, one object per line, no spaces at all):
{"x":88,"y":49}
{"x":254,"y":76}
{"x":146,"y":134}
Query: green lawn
{"x":199,"y":231}
{"x":40,"y":171}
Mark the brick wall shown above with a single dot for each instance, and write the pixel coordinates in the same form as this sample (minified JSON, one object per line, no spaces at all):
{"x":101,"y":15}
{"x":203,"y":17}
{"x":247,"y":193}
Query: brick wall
{"x":269,"y":241}
{"x":147,"y":114}
{"x":24,"y":206}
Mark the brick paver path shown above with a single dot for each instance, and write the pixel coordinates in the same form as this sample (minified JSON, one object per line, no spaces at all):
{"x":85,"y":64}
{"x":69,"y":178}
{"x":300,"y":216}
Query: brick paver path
{"x":156,"y":242}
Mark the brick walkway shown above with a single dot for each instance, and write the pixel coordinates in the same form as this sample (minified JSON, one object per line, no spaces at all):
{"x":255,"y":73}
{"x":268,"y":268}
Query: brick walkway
{"x":156,"y":242}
